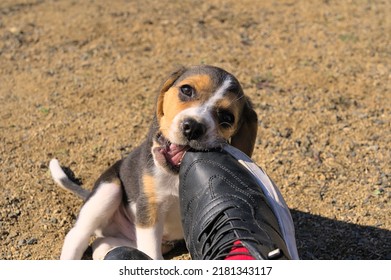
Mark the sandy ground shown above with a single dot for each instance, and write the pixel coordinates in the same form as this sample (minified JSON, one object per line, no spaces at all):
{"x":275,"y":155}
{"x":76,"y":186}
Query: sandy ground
{"x":78,"y":80}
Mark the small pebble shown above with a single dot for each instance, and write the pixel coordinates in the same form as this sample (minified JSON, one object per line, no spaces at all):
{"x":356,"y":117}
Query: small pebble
{"x":32,"y":241}
{"x":22,"y":242}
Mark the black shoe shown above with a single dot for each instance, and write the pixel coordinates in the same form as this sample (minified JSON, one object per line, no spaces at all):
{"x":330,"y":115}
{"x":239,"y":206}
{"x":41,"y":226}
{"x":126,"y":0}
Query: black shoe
{"x":222,"y":203}
{"x":126,"y":253}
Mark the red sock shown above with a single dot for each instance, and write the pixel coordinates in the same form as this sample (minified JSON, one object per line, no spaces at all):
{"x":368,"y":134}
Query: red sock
{"x":239,"y":252}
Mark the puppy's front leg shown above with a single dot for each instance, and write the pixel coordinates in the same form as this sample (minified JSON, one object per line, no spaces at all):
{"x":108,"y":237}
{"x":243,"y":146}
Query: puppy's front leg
{"x":149,"y":240}
{"x":149,"y":221}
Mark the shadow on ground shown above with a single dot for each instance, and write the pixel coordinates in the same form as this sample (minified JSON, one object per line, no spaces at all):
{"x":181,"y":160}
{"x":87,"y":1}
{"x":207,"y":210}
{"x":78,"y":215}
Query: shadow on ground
{"x":340,"y":240}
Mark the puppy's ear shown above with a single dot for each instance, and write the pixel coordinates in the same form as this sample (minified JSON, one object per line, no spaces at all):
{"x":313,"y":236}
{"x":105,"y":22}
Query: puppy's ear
{"x":166,"y":86}
{"x":246,"y":134}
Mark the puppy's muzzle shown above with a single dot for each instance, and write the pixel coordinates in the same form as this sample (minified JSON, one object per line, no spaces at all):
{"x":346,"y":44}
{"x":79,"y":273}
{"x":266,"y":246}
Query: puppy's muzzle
{"x":192,"y":129}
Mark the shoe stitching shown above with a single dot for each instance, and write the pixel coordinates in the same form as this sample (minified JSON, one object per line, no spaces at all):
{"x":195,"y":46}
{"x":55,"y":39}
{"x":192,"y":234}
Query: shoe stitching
{"x":238,"y":179}
{"x":263,"y":239}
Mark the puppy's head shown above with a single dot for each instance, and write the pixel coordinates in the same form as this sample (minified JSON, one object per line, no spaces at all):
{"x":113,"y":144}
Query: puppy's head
{"x":202,"y":107}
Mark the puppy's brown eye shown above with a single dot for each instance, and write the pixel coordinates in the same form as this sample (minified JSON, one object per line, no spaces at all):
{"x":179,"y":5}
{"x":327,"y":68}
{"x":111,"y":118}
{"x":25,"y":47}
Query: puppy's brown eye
{"x":186,"y":92}
{"x":226,"y":118}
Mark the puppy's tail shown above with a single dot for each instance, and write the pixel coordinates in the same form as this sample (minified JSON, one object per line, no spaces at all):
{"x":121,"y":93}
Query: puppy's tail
{"x":64,"y":182}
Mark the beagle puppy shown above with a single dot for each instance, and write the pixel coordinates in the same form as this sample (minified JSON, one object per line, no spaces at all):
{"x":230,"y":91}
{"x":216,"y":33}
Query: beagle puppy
{"x":135,"y":202}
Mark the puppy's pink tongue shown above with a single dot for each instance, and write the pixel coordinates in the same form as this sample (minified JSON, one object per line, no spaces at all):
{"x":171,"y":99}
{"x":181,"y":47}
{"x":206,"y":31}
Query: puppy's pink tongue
{"x":175,"y":153}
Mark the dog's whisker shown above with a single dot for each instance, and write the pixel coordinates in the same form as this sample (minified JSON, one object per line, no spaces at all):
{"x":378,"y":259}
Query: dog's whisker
{"x":236,"y":99}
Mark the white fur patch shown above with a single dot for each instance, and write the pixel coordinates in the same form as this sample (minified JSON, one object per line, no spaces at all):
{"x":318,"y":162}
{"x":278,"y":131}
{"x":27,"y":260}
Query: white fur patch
{"x":150,"y":240}
{"x":56,"y":171}
{"x":64,"y":182}
{"x":218,"y":95}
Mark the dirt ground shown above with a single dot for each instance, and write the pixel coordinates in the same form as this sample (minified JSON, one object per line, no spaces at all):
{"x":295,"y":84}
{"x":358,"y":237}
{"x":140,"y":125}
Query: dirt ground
{"x":78,"y":80}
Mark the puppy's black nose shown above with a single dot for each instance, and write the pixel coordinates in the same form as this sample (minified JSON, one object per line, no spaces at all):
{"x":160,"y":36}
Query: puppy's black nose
{"x":192,"y":129}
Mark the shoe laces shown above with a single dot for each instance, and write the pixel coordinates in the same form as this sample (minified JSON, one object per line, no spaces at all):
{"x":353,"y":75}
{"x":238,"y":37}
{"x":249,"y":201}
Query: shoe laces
{"x":218,"y":237}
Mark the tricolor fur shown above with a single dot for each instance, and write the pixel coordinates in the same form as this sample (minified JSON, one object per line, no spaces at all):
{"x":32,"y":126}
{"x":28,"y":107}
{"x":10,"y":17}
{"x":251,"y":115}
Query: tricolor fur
{"x":135,"y":202}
